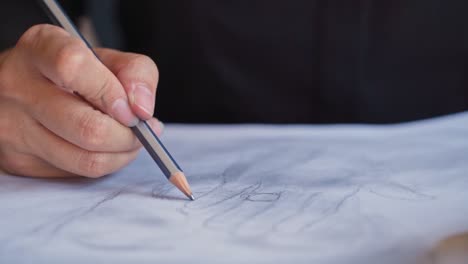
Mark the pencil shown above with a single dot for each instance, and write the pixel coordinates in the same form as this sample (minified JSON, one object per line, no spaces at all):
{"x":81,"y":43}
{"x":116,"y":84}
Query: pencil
{"x":142,"y":130}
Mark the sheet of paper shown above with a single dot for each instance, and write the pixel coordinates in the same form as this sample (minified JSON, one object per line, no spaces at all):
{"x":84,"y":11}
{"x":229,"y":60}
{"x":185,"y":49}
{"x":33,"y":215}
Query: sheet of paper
{"x":265,"y":194}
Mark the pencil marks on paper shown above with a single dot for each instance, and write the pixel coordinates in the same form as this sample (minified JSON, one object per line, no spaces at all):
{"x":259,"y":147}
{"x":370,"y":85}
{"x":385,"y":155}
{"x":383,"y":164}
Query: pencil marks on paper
{"x":269,"y":193}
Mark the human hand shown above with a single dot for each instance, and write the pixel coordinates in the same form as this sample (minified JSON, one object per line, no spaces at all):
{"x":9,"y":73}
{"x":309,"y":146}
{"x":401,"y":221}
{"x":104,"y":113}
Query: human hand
{"x":46,"y":130}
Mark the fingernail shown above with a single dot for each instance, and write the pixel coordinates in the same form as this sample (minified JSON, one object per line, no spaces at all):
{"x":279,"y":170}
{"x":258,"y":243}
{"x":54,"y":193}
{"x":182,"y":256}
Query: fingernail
{"x":144,"y":99}
{"x":122,"y":112}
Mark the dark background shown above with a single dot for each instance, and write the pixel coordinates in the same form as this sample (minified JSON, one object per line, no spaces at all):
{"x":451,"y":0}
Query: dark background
{"x":303,"y":61}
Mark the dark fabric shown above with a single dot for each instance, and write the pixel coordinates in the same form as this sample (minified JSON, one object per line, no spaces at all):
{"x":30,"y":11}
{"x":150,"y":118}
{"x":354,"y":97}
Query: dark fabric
{"x":303,"y":60}
{"x":16,"y":16}
{"x":296,"y":61}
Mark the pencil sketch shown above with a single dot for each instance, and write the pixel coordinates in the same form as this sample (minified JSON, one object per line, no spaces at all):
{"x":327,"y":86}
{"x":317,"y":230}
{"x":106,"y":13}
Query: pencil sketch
{"x":265,"y":194}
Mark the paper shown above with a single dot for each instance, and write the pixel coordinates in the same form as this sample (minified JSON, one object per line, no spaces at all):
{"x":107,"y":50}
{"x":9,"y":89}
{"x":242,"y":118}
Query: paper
{"x":265,"y":194}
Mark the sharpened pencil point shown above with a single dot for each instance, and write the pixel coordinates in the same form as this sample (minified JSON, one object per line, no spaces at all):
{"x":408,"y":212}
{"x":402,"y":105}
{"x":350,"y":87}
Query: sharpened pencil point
{"x":179,"y":180}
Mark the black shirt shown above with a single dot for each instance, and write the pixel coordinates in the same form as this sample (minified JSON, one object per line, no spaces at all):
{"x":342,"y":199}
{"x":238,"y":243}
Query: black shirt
{"x":293,"y":61}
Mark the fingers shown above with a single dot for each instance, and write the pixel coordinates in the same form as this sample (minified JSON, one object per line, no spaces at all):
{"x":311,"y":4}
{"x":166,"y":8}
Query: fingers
{"x":27,"y":165}
{"x":51,"y":131}
{"x":139,"y":76}
{"x":68,"y":63}
{"x":68,"y":157}
{"x":77,"y":122}
{"x":31,"y":149}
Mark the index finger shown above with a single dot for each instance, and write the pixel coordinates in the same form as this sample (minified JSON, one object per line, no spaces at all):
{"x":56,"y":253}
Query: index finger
{"x":70,"y":64}
{"x":139,"y":76}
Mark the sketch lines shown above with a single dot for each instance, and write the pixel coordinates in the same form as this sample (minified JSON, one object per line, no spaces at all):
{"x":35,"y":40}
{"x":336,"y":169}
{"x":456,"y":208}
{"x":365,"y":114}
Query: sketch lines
{"x":279,"y":192}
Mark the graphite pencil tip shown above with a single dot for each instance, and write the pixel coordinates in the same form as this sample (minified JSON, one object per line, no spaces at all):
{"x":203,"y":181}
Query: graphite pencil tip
{"x":179,"y":180}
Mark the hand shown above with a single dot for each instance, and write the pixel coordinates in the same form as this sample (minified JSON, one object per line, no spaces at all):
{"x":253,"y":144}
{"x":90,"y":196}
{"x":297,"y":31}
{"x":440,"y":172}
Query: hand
{"x":46,"y":130}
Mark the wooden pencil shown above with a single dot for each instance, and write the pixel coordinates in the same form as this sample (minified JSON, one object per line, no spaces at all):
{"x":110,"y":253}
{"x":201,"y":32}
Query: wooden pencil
{"x":142,"y":130}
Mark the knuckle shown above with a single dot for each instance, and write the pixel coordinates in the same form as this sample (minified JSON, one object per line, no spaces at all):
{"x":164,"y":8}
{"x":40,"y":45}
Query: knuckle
{"x":105,"y":88}
{"x":93,"y":164}
{"x":68,"y":60}
{"x":154,"y":68}
{"x":93,"y":131}
{"x":36,"y":33}
{"x":31,"y":35}
{"x":145,"y":62}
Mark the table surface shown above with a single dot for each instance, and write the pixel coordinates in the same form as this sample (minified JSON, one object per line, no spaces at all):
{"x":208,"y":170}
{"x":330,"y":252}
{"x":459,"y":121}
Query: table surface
{"x":265,"y":194}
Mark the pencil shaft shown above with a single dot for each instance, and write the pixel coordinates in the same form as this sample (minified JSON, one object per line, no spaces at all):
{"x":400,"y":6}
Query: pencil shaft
{"x":142,"y":130}
{"x":156,"y":149}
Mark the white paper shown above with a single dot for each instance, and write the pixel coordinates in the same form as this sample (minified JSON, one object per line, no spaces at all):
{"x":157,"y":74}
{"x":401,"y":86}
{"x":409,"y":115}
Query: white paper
{"x":265,"y":194}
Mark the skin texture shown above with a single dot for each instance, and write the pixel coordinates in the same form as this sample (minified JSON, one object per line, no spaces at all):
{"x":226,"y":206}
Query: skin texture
{"x":46,"y":130}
